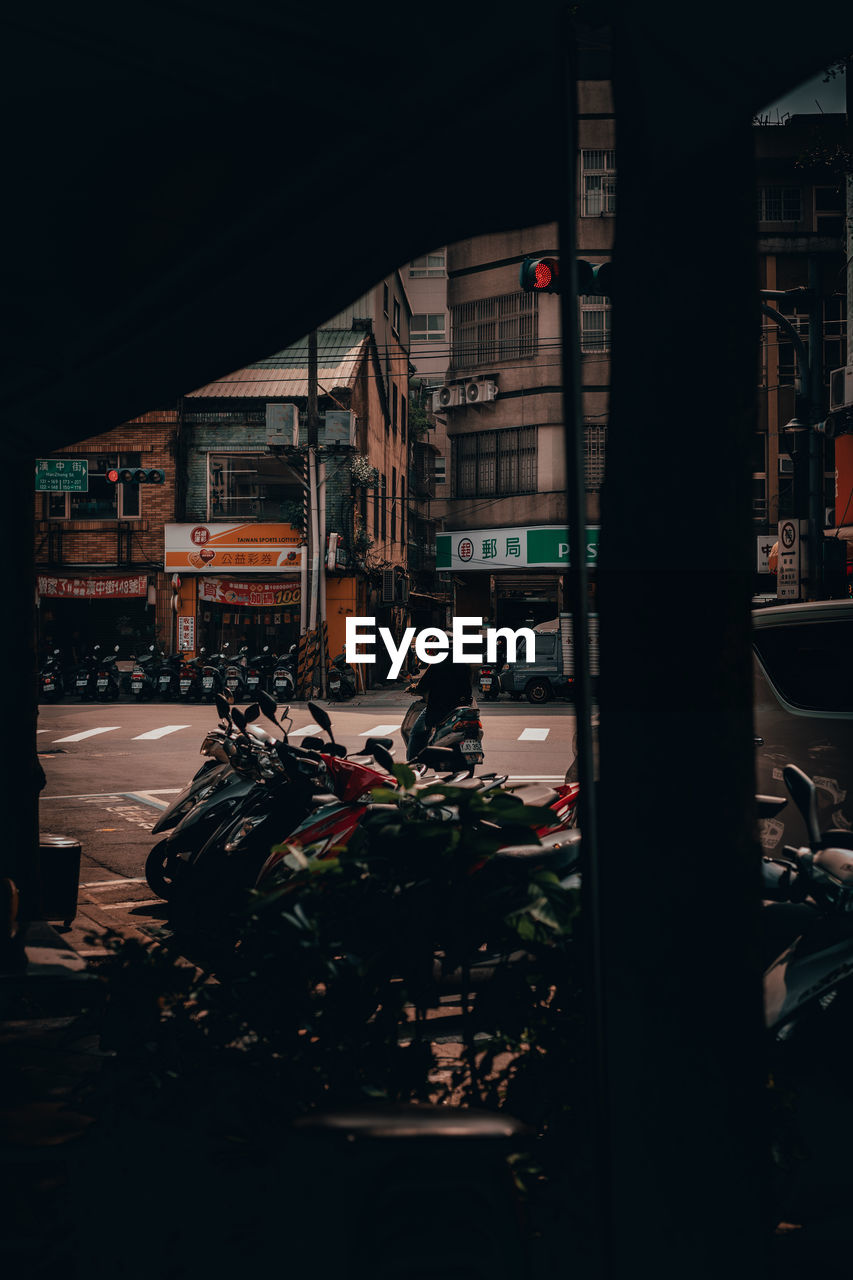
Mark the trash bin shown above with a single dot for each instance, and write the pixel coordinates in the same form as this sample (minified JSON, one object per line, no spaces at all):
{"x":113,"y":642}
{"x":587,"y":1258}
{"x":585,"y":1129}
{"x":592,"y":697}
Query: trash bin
{"x":60,"y":876}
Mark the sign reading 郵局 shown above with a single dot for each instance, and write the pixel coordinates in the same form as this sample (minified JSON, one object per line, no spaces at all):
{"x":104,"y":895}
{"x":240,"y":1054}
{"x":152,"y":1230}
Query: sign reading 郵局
{"x":536,"y":547}
{"x":62,"y":475}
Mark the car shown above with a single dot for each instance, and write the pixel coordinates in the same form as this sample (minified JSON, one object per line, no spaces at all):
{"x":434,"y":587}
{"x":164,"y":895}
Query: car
{"x":803,"y":712}
{"x":803,"y":703}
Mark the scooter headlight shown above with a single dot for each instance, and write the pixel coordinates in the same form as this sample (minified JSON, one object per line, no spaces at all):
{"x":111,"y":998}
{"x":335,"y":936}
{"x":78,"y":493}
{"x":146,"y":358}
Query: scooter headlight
{"x":244,"y":830}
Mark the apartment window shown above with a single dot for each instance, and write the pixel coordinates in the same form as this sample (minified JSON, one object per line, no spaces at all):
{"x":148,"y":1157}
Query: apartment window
{"x":385,"y":299}
{"x":429,"y":328}
{"x":403,"y":418}
{"x":393,"y":504}
{"x":594,"y":324}
{"x":395,"y":396}
{"x":598,"y":183}
{"x":376,"y":510}
{"x":595,"y":440}
{"x":432,"y":265}
{"x":829,"y":211}
{"x":402,"y":508}
{"x":384,"y":506}
{"x":257,"y":485}
{"x":834,"y":333}
{"x":103,"y":501}
{"x":395,"y":321}
{"x":780,"y":204}
{"x":491,"y":329}
{"x":500,"y":463}
{"x":440,"y":471}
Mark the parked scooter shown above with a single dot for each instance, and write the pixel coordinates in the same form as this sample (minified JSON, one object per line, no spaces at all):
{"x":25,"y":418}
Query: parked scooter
{"x":234,"y":676}
{"x":259,"y":672}
{"x":341,"y":679}
{"x":84,"y":676}
{"x":212,"y":681}
{"x":142,"y":684}
{"x":105,"y":676}
{"x":190,"y":677}
{"x":283,"y":680}
{"x":52,"y":678}
{"x":166,"y":675}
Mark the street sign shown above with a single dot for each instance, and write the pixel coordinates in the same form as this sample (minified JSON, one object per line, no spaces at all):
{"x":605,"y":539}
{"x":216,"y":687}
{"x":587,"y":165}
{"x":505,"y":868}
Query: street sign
{"x":791,"y":559}
{"x":62,"y":475}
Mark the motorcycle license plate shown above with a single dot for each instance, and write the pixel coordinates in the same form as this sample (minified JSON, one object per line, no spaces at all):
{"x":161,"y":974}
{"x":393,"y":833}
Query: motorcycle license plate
{"x":82,"y":682}
{"x":231,"y":683}
{"x":468,"y":745}
{"x":102,"y":684}
{"x":485,"y":684}
{"x":334,"y":684}
{"x":48,"y":686}
{"x":207,"y":681}
{"x":185,"y":684}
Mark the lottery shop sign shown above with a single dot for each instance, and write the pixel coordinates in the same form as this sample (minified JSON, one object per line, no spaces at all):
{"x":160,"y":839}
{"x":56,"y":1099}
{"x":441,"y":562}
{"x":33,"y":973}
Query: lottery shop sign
{"x":262,"y":595}
{"x":245,"y":548}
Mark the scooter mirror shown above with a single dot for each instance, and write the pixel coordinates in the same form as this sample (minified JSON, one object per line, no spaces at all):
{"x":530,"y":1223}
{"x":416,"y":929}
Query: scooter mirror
{"x":223,"y":706}
{"x":383,"y":757}
{"x":268,"y":704}
{"x":313,"y":744}
{"x":252,"y":712}
{"x":238,"y":718}
{"x":322,"y":717}
{"x":804,"y":794}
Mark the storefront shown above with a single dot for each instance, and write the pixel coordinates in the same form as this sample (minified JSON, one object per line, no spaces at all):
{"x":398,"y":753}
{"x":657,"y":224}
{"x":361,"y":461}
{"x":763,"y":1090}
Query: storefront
{"x":511,"y":576}
{"x":75,"y":612}
{"x":235,"y":584}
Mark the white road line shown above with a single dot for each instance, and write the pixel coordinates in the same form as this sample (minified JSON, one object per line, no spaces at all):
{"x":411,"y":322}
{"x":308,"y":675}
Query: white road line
{"x":147,"y":798}
{"x":308,"y":728}
{"x":134,"y":902}
{"x":533,"y":735}
{"x":379,"y":729}
{"x":109,"y":884}
{"x":537,"y":777}
{"x":87,"y":733}
{"x":161,"y":732}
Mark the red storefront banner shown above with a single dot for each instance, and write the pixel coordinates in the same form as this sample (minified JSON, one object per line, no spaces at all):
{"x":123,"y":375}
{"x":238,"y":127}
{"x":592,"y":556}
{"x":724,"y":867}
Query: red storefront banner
{"x":93,"y":588}
{"x":285,"y":591}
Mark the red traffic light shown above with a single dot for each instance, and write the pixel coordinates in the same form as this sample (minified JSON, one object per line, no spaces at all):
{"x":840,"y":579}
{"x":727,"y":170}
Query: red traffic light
{"x":540,"y":274}
{"x":544,"y":272}
{"x":112,"y":475}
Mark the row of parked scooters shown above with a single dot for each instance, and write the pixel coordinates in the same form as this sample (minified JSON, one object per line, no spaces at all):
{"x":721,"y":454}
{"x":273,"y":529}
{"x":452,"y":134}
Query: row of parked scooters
{"x":156,"y":675}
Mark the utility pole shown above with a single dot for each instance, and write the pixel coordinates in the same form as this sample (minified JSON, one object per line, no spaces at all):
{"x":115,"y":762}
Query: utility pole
{"x":315,"y":540}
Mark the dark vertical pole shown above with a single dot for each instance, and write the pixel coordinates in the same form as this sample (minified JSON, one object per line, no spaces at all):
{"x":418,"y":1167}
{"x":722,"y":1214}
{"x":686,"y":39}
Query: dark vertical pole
{"x":679,"y":867}
{"x":815,"y":439}
{"x":576,"y":582}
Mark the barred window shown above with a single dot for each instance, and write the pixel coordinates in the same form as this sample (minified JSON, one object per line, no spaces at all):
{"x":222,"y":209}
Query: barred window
{"x":779,"y":204}
{"x":598,"y":183}
{"x":491,"y":329}
{"x":498,"y":463}
{"x":595,"y":440}
{"x":432,"y":265}
{"x":594,"y":323}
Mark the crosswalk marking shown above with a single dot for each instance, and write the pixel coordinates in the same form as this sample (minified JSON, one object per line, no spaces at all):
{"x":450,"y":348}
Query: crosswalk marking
{"x":533,"y":735}
{"x":111,"y":884}
{"x":308,"y":728}
{"x":161,"y":732}
{"x":87,"y":733}
{"x":379,"y":729}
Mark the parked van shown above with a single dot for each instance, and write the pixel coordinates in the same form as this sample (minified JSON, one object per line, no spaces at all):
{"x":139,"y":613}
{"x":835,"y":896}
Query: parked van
{"x":552,"y":673}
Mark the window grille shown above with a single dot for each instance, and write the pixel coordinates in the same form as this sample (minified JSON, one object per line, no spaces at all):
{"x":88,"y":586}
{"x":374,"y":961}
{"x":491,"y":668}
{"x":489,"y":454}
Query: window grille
{"x":594,"y":324}
{"x":432,"y":265}
{"x":492,"y":329}
{"x":779,"y":204}
{"x":595,"y":440}
{"x":598,"y":183}
{"x":497,"y":463}
{"x":103,"y":501}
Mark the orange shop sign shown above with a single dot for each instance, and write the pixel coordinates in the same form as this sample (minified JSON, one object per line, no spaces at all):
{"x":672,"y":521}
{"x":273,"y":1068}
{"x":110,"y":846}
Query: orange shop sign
{"x":230,"y":548}
{"x":260,"y":595}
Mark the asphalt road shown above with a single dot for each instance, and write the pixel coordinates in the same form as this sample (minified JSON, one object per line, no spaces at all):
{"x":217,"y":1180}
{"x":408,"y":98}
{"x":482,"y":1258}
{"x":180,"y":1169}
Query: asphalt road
{"x":112,"y":768}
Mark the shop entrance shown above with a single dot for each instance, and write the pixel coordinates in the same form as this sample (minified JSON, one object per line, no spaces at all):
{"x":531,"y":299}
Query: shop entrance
{"x":73,"y":626}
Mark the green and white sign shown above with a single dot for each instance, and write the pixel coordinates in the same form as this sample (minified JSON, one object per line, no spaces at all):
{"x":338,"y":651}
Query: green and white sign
{"x":536,"y":547}
{"x":62,"y":475}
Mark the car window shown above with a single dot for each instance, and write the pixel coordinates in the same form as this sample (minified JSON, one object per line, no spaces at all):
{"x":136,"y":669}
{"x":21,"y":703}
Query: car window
{"x":545,"y":644}
{"x":811,"y":663}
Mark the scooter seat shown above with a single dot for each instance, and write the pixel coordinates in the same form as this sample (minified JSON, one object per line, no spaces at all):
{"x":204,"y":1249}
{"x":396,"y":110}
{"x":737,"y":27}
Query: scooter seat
{"x":535,"y":794}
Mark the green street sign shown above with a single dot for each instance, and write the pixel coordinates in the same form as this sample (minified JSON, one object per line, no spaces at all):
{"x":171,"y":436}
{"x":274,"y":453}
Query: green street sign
{"x":537,"y":547}
{"x":62,"y":475}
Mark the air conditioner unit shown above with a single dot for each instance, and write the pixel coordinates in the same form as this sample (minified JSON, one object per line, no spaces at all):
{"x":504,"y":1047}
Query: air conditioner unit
{"x":841,"y":388}
{"x":282,"y":425}
{"x":479,"y":392}
{"x":446,"y":398}
{"x":388,"y":586}
{"x":339,"y":427}
{"x":786,"y":465}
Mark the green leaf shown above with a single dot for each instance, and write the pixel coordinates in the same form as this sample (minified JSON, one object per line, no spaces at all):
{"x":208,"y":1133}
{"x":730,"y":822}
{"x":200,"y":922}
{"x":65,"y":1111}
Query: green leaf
{"x":404,"y":775}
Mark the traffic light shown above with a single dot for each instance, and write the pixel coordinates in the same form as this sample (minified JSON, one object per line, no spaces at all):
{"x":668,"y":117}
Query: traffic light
{"x":136,"y":475}
{"x":542,"y":275}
